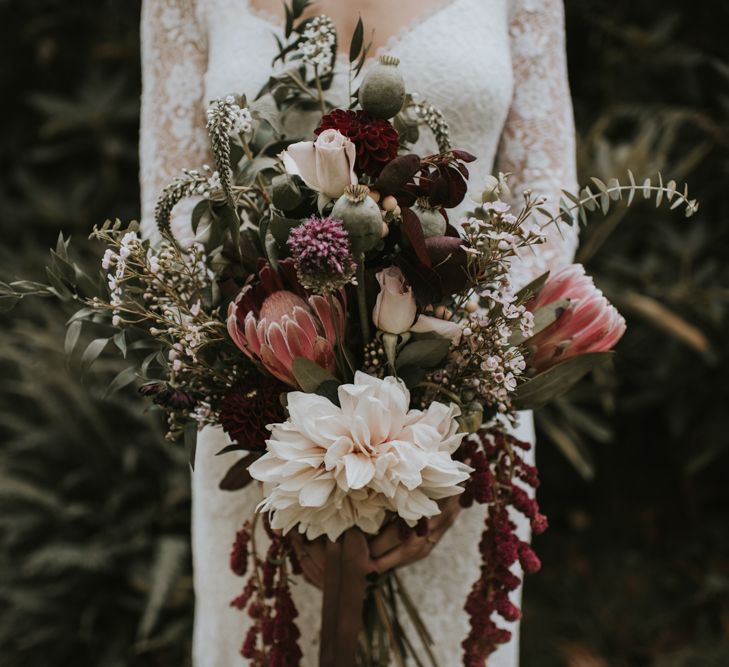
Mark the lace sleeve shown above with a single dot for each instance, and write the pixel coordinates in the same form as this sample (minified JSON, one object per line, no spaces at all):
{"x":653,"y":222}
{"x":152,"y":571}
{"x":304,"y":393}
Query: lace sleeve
{"x":172,"y":131}
{"x":538,"y":142}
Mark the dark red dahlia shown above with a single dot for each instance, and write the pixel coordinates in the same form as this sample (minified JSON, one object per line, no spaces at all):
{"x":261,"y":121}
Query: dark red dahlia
{"x":248,"y":408}
{"x":376,"y":140}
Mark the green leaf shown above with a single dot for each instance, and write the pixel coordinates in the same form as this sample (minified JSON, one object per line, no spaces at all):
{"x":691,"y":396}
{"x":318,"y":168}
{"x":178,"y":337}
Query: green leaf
{"x":532,"y":288}
{"x":265,"y":109}
{"x":411,"y":375}
{"x":355,"y":46}
{"x":8,"y":302}
{"x":543,"y":317}
{"x":168,"y":564}
{"x":570,"y":444}
{"x":309,"y":375}
{"x":81,"y":314}
{"x":556,"y":381}
{"x":424,"y":353}
{"x":121,"y":343}
{"x":72,"y":334}
{"x":198,"y":212}
{"x":122,"y":379}
{"x":92,"y":352}
{"x":280,"y":227}
{"x":329,"y":389}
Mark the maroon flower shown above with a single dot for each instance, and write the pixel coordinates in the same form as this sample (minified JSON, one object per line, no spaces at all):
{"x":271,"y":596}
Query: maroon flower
{"x":248,"y":408}
{"x":376,"y":140}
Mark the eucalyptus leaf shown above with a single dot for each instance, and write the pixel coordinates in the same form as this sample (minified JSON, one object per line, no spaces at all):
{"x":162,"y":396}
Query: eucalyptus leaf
{"x":425,"y":353}
{"x":309,"y":375}
{"x":556,"y":381}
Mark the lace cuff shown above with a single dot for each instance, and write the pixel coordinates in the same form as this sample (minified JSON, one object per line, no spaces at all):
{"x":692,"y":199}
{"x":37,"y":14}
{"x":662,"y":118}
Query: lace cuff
{"x":172,"y":130}
{"x":538,"y":142}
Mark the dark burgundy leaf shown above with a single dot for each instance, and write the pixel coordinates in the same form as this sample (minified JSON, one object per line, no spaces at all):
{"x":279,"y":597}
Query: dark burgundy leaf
{"x":449,"y":189}
{"x":449,"y":261}
{"x":413,"y":232}
{"x":397,"y":173}
{"x":463,"y":156}
{"x":238,"y":476}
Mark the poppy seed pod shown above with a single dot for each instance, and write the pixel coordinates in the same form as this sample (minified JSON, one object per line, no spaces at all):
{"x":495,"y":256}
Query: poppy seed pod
{"x":431,"y":219}
{"x":361,"y":217}
{"x":382,"y":92}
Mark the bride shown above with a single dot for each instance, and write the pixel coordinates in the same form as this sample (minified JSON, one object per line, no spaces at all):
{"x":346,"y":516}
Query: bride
{"x":496,"y":69}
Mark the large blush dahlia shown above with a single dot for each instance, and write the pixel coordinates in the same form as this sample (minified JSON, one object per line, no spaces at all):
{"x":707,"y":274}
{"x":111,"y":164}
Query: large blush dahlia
{"x":329,"y":468}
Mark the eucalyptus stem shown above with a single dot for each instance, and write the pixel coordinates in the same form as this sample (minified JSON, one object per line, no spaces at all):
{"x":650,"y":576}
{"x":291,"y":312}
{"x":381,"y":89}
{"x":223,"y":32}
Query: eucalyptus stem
{"x":364,"y":315}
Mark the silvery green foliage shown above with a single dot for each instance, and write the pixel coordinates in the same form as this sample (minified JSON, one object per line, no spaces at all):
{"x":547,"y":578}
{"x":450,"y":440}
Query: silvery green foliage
{"x":579,"y":206}
{"x":431,"y":116}
{"x":191,"y":183}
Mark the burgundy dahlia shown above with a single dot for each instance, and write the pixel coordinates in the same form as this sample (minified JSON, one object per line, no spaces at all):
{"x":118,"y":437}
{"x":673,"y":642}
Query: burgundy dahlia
{"x":376,"y":140}
{"x":248,"y":408}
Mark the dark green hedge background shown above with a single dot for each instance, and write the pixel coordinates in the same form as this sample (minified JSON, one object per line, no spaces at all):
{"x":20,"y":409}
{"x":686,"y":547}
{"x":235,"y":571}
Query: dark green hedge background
{"x":94,"y":506}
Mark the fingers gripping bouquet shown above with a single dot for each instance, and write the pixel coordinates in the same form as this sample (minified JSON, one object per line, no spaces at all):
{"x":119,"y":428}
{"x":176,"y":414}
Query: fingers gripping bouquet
{"x":364,"y":346}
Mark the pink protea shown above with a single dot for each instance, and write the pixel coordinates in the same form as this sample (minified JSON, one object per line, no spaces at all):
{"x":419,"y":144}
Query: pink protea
{"x":274,"y":325}
{"x":588,"y":324}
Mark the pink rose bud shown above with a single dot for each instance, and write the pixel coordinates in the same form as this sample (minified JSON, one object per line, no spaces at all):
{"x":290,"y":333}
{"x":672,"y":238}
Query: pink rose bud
{"x":588,"y":324}
{"x":325,"y":165}
{"x":395,"y":308}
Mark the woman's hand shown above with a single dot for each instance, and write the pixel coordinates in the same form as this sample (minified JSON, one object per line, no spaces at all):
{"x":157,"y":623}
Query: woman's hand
{"x":312,"y":557}
{"x":389,"y":550}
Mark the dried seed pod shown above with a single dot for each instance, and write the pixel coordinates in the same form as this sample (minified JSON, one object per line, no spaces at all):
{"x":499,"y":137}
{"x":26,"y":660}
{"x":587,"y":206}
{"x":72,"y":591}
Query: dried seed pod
{"x":382,"y":92}
{"x":361,"y":217}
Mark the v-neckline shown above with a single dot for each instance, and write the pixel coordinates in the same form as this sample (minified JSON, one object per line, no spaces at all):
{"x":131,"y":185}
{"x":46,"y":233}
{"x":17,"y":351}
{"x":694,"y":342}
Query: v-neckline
{"x":391,"y":43}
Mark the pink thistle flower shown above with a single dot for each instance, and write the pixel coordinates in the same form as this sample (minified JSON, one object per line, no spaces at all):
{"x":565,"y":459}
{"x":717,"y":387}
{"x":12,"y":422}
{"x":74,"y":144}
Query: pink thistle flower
{"x":321,"y":250}
{"x":588,"y":324}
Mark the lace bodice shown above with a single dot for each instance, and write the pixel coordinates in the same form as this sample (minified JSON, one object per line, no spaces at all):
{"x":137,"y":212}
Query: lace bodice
{"x":496,"y":68}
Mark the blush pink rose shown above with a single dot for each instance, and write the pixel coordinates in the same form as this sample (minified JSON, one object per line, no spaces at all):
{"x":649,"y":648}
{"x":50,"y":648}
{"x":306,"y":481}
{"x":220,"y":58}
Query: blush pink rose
{"x":325,"y":165}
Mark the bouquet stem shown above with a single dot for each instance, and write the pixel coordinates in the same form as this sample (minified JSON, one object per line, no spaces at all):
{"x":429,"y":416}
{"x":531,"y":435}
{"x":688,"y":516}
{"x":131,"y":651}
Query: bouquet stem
{"x":364,"y":315}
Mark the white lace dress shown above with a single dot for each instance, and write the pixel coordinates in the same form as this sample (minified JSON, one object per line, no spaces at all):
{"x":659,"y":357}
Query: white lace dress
{"x":496,"y":68}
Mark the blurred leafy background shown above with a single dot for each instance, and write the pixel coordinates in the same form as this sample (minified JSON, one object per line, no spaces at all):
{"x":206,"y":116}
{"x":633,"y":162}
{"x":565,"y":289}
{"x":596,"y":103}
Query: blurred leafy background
{"x":94,"y":506}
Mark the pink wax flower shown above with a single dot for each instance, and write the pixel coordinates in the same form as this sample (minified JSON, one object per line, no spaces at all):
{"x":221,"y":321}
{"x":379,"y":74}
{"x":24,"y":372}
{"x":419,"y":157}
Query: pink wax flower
{"x":588,"y":324}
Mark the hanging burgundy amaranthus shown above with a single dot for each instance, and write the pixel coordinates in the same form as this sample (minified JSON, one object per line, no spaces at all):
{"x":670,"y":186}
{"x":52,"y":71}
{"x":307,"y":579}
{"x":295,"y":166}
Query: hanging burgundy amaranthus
{"x":499,"y":481}
{"x":272,"y":638}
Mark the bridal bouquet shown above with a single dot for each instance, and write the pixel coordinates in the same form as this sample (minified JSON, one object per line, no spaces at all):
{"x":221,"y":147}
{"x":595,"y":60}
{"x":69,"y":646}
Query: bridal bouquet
{"x":360,"y":342}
